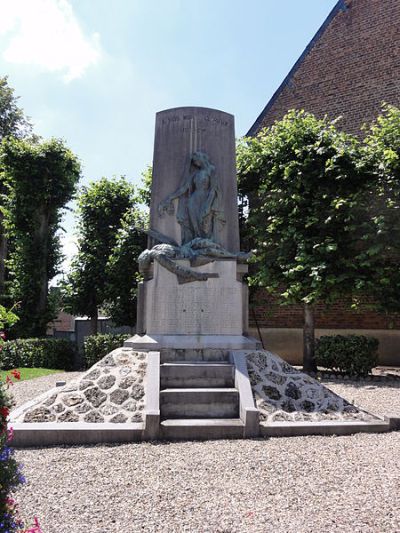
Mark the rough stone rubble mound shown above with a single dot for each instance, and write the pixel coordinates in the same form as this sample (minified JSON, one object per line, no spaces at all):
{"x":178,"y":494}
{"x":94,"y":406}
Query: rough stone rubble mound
{"x":283,"y":393}
{"x":112,"y":390}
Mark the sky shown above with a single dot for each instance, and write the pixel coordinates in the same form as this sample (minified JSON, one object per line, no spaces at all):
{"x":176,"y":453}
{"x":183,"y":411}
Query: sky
{"x":95,"y":72}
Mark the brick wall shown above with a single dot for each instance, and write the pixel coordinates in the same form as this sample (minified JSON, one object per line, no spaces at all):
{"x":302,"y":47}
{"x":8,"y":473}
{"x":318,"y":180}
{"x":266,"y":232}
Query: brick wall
{"x":267,"y":313}
{"x":349,"y":70}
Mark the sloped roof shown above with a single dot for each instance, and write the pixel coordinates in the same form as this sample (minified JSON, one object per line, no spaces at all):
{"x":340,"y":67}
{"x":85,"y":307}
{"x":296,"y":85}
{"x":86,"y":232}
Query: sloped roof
{"x":340,"y":6}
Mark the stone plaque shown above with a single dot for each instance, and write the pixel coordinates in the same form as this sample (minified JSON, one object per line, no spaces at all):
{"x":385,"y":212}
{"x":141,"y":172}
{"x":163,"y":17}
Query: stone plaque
{"x":212,"y":307}
{"x":186,"y":137}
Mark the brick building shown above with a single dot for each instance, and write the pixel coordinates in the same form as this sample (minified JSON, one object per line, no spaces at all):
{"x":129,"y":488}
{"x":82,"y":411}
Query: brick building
{"x":349,"y":69}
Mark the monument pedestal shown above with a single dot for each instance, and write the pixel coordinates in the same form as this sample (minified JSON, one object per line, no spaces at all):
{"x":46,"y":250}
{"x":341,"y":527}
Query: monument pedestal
{"x":217,"y":306}
{"x":201,"y":315}
{"x":193,"y":320}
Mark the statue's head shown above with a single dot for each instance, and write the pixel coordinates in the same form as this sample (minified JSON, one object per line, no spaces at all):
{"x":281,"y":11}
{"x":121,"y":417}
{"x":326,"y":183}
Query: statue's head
{"x":200,"y":159}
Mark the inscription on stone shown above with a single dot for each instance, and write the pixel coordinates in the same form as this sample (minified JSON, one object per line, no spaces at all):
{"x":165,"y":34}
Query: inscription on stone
{"x":203,"y":308}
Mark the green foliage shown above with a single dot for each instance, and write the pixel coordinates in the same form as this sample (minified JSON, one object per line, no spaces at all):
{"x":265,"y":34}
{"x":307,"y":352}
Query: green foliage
{"x":12,"y":123}
{"x":355,"y":355}
{"x":10,"y":474}
{"x":28,"y":373}
{"x":98,"y":346}
{"x":106,"y":208}
{"x":122,"y":269}
{"x":144,"y":190}
{"x":12,"y":119}
{"x":7,"y":318}
{"x":306,"y":218}
{"x":40,"y":179}
{"x":38,"y":353}
{"x":381,"y":158}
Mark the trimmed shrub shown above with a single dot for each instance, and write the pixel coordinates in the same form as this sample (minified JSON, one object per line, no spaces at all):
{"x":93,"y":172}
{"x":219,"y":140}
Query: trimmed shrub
{"x":355,"y":355}
{"x":98,"y":346}
{"x":38,"y":353}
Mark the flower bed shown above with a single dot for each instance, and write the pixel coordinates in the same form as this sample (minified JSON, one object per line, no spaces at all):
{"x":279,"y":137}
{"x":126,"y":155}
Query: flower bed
{"x":11,"y":476}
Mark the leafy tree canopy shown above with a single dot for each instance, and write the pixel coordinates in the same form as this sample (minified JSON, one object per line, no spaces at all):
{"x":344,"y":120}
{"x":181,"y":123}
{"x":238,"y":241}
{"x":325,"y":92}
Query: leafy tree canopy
{"x":306,"y":214}
{"x":40,"y":179}
{"x":12,"y":119}
{"x":381,"y":157}
{"x":307,"y":188}
{"x":122,"y":268}
{"x":101,"y":207}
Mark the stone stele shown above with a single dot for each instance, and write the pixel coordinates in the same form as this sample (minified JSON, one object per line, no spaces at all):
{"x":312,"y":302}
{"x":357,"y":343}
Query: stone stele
{"x":193,"y":282}
{"x":179,"y":134}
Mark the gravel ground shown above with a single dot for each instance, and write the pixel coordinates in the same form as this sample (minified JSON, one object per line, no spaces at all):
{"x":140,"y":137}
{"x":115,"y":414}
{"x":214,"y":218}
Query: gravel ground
{"x":303,"y":484}
{"x":380,"y":398}
{"x":27,"y":390}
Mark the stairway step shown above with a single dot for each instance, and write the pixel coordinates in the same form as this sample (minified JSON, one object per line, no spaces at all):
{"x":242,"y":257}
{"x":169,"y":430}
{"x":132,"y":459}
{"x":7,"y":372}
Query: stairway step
{"x":193,"y":355}
{"x":197,"y":374}
{"x":199,"y":403}
{"x":195,"y":428}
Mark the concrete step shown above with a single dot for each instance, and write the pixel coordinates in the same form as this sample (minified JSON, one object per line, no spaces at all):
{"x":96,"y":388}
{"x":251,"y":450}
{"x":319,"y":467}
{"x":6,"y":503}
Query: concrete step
{"x":193,"y":355}
{"x":196,"y":374}
{"x":211,"y":428}
{"x":199,"y":403}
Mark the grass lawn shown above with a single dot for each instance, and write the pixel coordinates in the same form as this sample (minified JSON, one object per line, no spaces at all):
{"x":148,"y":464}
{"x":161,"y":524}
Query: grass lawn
{"x":29,"y":373}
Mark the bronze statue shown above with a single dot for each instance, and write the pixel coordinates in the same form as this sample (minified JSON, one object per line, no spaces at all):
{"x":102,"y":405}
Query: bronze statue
{"x":198,"y":251}
{"x":199,"y":208}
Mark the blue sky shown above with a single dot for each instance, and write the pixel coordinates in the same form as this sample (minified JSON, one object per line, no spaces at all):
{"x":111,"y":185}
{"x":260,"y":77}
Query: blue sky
{"x":95,"y":72}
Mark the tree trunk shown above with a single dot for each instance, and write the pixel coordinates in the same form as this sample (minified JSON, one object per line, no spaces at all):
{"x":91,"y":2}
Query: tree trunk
{"x":43,"y":239}
{"x":94,"y":319}
{"x":309,"y":364}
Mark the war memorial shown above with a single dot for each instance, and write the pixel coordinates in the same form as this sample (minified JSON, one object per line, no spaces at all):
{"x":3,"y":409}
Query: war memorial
{"x":191,"y":371}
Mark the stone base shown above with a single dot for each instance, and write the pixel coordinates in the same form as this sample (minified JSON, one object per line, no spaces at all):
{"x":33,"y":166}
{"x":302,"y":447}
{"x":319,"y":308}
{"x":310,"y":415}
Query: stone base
{"x":111,"y":391}
{"x":196,"y":342}
{"x":217,"y":306}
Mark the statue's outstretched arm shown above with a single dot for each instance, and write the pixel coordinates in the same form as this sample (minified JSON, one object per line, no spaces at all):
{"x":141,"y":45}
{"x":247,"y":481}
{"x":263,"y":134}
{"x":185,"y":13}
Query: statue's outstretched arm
{"x":166,"y":205}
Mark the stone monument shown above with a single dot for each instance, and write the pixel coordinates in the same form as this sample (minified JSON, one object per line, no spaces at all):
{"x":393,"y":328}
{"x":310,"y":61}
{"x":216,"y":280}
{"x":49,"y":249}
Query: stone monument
{"x":191,"y":372}
{"x":193,"y":267}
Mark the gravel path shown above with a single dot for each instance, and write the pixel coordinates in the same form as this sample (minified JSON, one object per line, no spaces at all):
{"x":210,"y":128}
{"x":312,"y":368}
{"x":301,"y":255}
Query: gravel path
{"x":304,"y":484}
{"x":27,"y":390}
{"x":380,"y":398}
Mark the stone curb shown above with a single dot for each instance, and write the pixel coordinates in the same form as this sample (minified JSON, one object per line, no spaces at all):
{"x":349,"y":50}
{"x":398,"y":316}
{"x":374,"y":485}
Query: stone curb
{"x":249,"y":413}
{"x":80,"y":433}
{"x":329,"y":427}
{"x":394,"y":421}
{"x":42,"y":434}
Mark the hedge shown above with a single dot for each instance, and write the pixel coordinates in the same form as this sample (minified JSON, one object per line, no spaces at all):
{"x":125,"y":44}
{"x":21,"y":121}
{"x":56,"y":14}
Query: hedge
{"x":355,"y":355}
{"x":98,"y":346}
{"x":38,"y":353}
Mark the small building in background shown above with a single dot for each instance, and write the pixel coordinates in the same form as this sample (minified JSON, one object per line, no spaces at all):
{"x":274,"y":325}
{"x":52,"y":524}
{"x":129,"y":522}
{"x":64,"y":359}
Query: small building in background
{"x":76,"y":329}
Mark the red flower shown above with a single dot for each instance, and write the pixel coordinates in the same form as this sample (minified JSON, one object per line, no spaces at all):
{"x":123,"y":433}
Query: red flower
{"x":16,"y":374}
{"x":10,"y":434}
{"x":9,"y":381}
{"x":4,"y":412}
{"x":3,"y":335}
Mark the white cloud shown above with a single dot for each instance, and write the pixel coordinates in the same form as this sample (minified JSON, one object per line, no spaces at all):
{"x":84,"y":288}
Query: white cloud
{"x":47,"y":34}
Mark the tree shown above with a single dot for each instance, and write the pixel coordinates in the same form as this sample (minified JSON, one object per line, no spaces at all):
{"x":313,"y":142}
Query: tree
{"x":101,"y":207}
{"x":306,"y":212}
{"x":12,"y":118}
{"x":381,"y":159}
{"x":12,"y":122}
{"x":144,"y":189}
{"x":122,"y":269}
{"x":40,"y":179}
